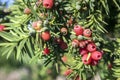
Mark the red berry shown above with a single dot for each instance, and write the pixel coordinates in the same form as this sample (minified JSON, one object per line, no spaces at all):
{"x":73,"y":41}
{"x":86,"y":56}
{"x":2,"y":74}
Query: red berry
{"x":88,"y":41}
{"x":94,"y":62}
{"x":46,"y":51}
{"x":27,"y":11}
{"x":70,"y":21}
{"x":64,"y":59}
{"x":96,"y":55}
{"x":58,"y":40}
{"x":109,"y":66}
{"x":91,"y":47}
{"x":49,"y":71}
{"x":82,"y":44}
{"x":68,"y":72}
{"x":87,"y":32}
{"x":36,"y":25}
{"x":46,"y":35}
{"x":83,"y":51}
{"x":86,"y":59}
{"x":64,"y":31}
{"x":78,"y":30}
{"x":63,"y":45}
{"x":75,"y":43}
{"x":48,"y":4}
{"x":77,"y":78}
{"x":2,"y":28}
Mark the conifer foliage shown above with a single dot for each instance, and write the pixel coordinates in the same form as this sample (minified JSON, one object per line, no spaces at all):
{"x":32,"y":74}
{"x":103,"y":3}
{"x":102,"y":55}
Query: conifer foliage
{"x":47,"y":30}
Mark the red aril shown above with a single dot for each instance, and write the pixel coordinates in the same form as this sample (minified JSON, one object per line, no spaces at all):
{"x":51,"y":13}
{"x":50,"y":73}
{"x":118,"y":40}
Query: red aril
{"x":109,"y":66}
{"x":91,"y":47}
{"x":83,"y":51}
{"x":86,"y":59}
{"x":36,"y":25}
{"x":48,"y":4}
{"x":96,"y":55}
{"x":45,"y":35}
{"x":27,"y":11}
{"x":82,"y":44}
{"x":68,"y":72}
{"x":87,"y":32}
{"x":77,"y":78}
{"x":2,"y":28}
{"x":46,"y":51}
{"x":64,"y":59}
{"x":78,"y":30}
{"x":64,"y":31}
{"x":63,"y":46}
{"x":75,"y":43}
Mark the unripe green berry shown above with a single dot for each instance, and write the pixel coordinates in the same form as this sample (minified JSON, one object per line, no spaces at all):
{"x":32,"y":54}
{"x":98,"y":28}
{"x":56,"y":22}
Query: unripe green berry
{"x":80,"y":37}
{"x":97,"y":44}
{"x":73,"y":36}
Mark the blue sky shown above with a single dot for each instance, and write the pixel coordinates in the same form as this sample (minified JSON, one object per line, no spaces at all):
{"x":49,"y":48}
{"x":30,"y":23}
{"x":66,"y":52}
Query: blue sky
{"x":9,"y":2}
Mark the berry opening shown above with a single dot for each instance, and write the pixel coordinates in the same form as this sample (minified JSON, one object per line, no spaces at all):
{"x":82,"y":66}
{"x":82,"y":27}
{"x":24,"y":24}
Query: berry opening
{"x":88,"y":32}
{"x":93,"y":47}
{"x":64,"y":33}
{"x":99,"y":56}
{"x":76,"y":26}
{"x":85,"y":60}
{"x":47,"y":5}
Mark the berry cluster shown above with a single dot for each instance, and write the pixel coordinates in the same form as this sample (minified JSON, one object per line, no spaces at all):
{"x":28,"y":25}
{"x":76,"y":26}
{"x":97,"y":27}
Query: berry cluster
{"x":63,"y":45}
{"x":82,"y":40}
{"x":39,"y":26}
{"x":48,"y":4}
{"x":87,"y":47}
